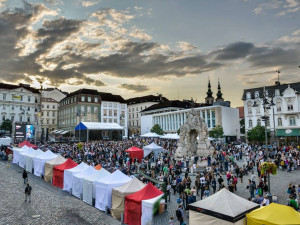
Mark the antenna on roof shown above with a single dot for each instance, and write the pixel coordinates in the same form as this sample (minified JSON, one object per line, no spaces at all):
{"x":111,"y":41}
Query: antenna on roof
{"x":277,"y":82}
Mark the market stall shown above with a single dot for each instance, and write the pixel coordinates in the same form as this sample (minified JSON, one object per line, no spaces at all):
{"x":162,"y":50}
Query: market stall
{"x":152,"y":148}
{"x":50,"y":165}
{"x":135,"y":152}
{"x":58,"y":172}
{"x":40,"y":160}
{"x":69,"y":173}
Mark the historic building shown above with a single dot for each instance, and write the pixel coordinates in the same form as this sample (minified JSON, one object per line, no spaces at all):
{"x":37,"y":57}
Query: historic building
{"x":134,"y":108}
{"x":282,"y":111}
{"x":21,"y":104}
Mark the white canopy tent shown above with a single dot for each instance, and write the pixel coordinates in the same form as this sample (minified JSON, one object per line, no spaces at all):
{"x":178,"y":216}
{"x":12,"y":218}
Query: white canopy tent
{"x":40,"y":160}
{"x":29,"y":159}
{"x":223,"y":207}
{"x":17,"y":152}
{"x":152,"y":148}
{"x":22,"y":157}
{"x":77,"y":180}
{"x":68,"y":175}
{"x":104,"y":188}
{"x":170,"y":136}
{"x":89,"y":185}
{"x":6,"y":141}
{"x":147,"y":209}
{"x":150,"y":135}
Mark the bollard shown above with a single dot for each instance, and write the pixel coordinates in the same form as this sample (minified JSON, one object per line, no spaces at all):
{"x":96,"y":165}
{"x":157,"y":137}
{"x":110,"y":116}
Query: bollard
{"x":122,"y":218}
{"x":106,"y":209}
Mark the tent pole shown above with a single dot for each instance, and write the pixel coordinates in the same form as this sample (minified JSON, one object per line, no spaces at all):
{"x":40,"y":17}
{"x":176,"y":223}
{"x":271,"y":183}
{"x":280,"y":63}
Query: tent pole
{"x":87,"y":135}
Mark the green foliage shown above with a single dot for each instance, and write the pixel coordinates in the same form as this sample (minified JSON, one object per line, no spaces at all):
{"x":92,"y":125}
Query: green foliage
{"x":257,"y":134}
{"x":157,"y":129}
{"x":242,"y":126}
{"x":216,"y":132}
{"x":178,"y":131}
{"x":6,"y":125}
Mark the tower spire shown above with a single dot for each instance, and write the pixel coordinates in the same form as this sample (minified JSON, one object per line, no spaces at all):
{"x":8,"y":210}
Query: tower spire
{"x":219,"y":94}
{"x":209,"y":94}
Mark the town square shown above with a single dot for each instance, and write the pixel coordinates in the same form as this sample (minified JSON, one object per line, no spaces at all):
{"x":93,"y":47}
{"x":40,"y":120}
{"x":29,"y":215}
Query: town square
{"x":150,"y":112}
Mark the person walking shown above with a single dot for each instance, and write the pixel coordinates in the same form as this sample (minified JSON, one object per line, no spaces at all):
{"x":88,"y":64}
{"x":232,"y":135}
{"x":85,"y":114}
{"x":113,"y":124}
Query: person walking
{"x":28,"y":190}
{"x":179,"y":214}
{"x":25,"y":176}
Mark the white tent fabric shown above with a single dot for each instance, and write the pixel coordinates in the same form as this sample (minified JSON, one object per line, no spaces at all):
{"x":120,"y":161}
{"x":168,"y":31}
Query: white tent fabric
{"x":77,"y":180}
{"x":40,"y":160}
{"x":233,"y":207}
{"x":152,"y":148}
{"x":150,"y":135}
{"x":102,"y":126}
{"x":17,"y":152}
{"x":104,"y":188}
{"x":22,"y":158}
{"x":29,"y":159}
{"x":147,"y":209}
{"x":195,"y":217}
{"x":89,"y":185}
{"x":68,"y":175}
{"x":171,"y":136}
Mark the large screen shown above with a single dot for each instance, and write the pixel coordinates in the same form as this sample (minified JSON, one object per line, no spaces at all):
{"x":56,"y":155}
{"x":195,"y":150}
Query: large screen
{"x":23,"y":131}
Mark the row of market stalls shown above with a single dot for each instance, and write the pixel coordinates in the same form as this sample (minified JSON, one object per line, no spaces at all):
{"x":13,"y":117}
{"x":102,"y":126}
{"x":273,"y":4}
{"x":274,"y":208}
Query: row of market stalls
{"x":166,"y":136}
{"x":226,"y":208}
{"x":117,"y":192}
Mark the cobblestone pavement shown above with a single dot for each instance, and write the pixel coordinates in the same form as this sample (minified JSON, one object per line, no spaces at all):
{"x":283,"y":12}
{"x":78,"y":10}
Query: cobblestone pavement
{"x":51,"y":205}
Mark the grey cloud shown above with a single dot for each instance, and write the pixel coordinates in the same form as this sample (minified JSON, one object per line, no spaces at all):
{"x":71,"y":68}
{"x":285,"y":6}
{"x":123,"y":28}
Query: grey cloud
{"x":99,"y":83}
{"x":234,"y":51}
{"x":134,"y":87}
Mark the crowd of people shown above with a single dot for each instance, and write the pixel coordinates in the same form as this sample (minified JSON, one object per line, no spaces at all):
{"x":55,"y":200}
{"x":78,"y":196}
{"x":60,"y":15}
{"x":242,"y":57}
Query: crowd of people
{"x":225,"y":168}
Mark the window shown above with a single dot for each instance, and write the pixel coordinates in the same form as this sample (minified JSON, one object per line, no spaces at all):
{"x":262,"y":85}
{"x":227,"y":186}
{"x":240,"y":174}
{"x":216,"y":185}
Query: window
{"x":3,"y":118}
{"x":249,"y":106}
{"x":82,"y":98}
{"x":137,"y":108}
{"x":292,"y":121}
{"x":258,"y":122}
{"x":109,"y":104}
{"x":96,"y":99}
{"x":115,"y":113}
{"x":42,"y":106}
{"x":141,"y":108}
{"x":42,"y":121}
{"x":105,"y":112}
{"x":129,"y":109}
{"x":12,"y":118}
{"x":53,"y":107}
{"x":115,"y":105}
{"x":12,"y":108}
{"x":105,"y":104}
{"x":4,"y":96}
{"x":137,"y":122}
{"x":28,"y":108}
{"x":258,"y":108}
{"x":279,"y":121}
{"x":122,"y":106}
{"x":53,"y":121}
{"x":95,"y":110}
{"x":129,"y":116}
{"x":105,"y":120}
{"x":28,"y":119}
{"x":47,"y":121}
{"x":132,"y":109}
{"x":48,"y":107}
{"x":137,"y":115}
{"x":89,"y":98}
{"x":133,"y":123}
{"x":20,"y":118}
{"x":47,"y":113}
{"x":29,"y":99}
{"x":82,"y":109}
{"x":115,"y":120}
{"x":53,"y":114}
{"x":110,"y":112}
{"x":132,"y":115}
{"x":290,"y":107}
{"x":278,"y":105}
{"x":110,"y":120}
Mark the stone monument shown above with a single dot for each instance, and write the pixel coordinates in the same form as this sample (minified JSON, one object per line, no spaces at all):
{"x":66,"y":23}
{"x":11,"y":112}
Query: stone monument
{"x":194,"y":137}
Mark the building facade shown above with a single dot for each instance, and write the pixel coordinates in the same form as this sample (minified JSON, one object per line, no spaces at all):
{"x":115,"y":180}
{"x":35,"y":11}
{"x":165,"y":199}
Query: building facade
{"x":171,"y":121}
{"x":21,"y":104}
{"x":114,"y":110}
{"x":134,"y":108}
{"x":83,"y":105}
{"x":283,"y":117}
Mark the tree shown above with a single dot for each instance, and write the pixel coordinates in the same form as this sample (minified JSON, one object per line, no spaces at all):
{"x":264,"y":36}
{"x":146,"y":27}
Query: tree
{"x":157,"y":129}
{"x":6,"y":125}
{"x":257,"y":134}
{"x":242,"y":126}
{"x":178,"y":131}
{"x":216,"y":132}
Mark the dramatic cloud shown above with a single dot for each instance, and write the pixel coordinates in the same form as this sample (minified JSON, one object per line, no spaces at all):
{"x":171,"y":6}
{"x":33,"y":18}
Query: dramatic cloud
{"x":134,"y":87}
{"x":185,"y":46}
{"x":234,"y":51}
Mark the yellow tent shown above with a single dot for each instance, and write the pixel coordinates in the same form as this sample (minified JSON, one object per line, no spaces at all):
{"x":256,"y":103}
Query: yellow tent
{"x":273,"y":214}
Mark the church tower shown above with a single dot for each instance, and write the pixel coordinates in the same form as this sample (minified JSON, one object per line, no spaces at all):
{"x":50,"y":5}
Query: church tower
{"x":209,"y":98}
{"x":219,"y":94}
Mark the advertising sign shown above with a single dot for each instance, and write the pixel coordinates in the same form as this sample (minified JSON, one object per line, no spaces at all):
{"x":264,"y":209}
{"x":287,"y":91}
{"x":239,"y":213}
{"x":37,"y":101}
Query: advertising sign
{"x":17,"y":97}
{"x":23,"y":131}
{"x":29,"y":131}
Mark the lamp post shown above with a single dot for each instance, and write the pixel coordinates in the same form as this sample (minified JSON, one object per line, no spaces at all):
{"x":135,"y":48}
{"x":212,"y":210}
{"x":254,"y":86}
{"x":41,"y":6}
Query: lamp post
{"x":267,"y":102}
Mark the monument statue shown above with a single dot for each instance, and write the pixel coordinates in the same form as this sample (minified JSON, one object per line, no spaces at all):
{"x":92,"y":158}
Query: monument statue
{"x":194,"y":137}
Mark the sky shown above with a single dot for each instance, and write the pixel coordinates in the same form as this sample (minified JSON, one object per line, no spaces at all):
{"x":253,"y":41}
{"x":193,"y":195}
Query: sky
{"x":141,"y":47}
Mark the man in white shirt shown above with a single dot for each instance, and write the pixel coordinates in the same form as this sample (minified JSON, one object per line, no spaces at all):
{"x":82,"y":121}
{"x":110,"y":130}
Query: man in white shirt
{"x":265,"y":202}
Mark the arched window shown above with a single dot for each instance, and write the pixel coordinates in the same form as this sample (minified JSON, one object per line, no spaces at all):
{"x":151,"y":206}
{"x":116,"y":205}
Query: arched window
{"x":258,"y":122}
{"x":292,"y":121}
{"x":278,"y":105}
{"x":250,"y":123}
{"x":279,"y":122}
{"x":249,"y":106}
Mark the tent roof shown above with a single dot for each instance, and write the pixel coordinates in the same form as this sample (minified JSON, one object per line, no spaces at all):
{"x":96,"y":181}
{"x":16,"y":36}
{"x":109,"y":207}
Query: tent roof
{"x":27,"y":152}
{"x":171,"y":136}
{"x":98,"y":126}
{"x":150,"y":134}
{"x":98,"y":167}
{"x":152,"y":147}
{"x":69,"y":163}
{"x":149,"y":191}
{"x":79,"y":168}
{"x":115,"y":178}
{"x":57,"y":161}
{"x":275,"y":214}
{"x":90,"y":170}
{"x":98,"y":175}
{"x":27,"y":143}
{"x":131,"y":187}
{"x":232,"y":205}
{"x":36,"y":153}
{"x":134,"y":149}
{"x":47,"y":155}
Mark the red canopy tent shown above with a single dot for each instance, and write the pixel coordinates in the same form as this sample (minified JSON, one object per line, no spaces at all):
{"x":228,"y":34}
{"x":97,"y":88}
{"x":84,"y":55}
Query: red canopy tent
{"x":28,"y":144}
{"x":58,"y":172}
{"x":133,"y":203}
{"x":135,"y":152}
